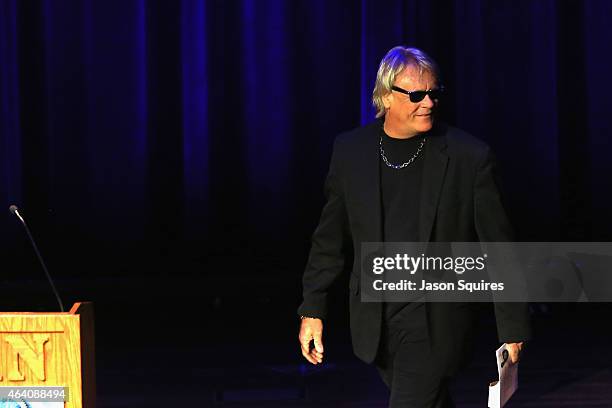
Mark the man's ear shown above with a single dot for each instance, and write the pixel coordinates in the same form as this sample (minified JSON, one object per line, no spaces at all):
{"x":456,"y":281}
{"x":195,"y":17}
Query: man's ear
{"x":387,"y":98}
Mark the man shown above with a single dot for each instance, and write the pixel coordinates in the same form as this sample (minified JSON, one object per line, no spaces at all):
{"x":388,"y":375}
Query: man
{"x":406,"y":178}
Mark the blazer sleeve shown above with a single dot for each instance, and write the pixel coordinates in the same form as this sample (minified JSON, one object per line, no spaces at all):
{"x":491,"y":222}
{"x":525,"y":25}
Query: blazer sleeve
{"x":329,"y":242}
{"x":493,"y":225}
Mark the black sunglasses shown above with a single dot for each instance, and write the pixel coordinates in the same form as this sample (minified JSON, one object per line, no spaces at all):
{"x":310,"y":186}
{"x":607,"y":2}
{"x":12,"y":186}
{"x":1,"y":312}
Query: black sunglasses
{"x":418,"y":96}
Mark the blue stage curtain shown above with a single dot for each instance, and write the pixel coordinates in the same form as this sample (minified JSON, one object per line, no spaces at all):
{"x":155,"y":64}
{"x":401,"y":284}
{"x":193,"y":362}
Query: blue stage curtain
{"x":204,"y":128}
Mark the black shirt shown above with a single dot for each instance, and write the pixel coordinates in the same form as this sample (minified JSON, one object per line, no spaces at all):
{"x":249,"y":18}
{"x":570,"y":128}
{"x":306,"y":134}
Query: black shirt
{"x":401,"y":189}
{"x":400,"y":196}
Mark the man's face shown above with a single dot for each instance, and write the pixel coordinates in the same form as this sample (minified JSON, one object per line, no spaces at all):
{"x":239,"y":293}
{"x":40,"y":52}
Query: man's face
{"x":403,"y":116}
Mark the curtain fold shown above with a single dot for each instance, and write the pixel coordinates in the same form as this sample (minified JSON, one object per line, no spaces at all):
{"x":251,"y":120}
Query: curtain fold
{"x":199,"y":127}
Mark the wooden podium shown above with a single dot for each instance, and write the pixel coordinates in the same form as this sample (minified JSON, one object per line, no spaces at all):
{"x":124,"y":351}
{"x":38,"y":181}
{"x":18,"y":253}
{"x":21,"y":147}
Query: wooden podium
{"x":50,"y":349}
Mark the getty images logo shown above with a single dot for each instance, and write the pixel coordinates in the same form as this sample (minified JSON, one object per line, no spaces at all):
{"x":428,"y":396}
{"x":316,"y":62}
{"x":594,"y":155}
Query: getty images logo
{"x":411,"y":264}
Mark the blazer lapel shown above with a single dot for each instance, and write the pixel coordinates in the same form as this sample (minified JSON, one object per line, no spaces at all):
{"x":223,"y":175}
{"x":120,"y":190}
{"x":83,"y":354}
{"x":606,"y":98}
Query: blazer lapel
{"x":434,"y":170}
{"x":369,"y":167}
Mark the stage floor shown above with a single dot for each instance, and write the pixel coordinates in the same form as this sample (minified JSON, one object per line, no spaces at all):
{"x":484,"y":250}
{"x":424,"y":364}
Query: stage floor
{"x":567,"y":365}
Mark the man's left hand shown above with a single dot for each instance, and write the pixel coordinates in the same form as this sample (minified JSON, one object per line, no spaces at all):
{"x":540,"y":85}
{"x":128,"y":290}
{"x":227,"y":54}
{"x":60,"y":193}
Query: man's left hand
{"x":514,"y":351}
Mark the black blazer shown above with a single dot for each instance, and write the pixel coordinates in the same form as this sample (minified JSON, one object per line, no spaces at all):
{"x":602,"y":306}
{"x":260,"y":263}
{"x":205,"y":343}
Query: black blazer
{"x":460,"y":201}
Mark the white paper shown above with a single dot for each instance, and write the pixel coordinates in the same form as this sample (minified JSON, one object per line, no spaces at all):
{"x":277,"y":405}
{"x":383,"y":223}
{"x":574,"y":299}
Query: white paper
{"x":501,"y":390}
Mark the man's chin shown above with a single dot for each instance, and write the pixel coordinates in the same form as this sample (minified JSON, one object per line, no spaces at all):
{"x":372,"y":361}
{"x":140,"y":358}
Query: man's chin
{"x":426,"y":127}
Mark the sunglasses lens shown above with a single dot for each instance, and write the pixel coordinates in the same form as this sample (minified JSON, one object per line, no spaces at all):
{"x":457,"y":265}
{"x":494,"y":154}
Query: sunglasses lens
{"x":417,"y":96}
{"x":435,"y":94}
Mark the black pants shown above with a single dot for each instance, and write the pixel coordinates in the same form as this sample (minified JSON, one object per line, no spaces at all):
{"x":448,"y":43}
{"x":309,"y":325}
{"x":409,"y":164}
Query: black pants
{"x":410,"y":368}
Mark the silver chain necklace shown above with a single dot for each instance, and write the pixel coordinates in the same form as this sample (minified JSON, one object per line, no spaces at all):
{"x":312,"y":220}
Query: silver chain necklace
{"x":400,"y":166}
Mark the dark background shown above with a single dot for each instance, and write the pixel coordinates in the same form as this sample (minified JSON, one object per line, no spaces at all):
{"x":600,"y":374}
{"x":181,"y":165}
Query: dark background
{"x":170,"y":155}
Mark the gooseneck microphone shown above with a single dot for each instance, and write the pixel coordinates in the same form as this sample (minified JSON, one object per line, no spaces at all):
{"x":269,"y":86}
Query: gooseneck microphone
{"x":15,"y":211}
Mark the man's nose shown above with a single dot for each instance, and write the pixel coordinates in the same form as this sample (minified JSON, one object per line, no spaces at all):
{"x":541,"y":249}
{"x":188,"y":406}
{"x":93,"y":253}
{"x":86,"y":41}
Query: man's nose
{"x":427,"y":102}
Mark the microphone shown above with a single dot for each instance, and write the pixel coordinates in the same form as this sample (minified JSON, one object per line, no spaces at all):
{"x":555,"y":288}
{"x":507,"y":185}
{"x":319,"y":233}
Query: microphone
{"x":15,"y":211}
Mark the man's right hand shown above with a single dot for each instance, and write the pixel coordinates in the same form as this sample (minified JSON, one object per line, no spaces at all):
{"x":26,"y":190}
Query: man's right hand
{"x":312,"y":330}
